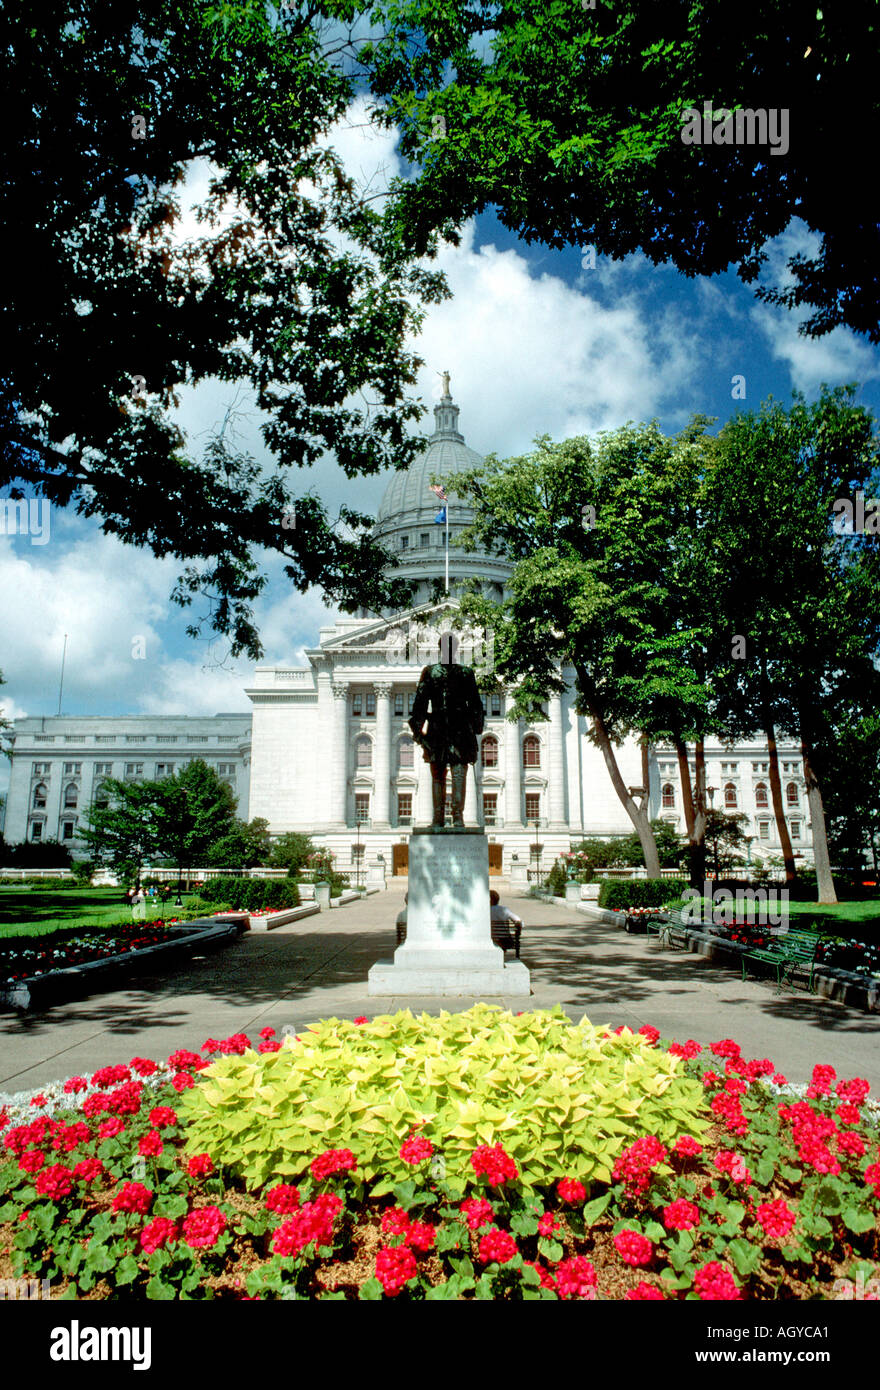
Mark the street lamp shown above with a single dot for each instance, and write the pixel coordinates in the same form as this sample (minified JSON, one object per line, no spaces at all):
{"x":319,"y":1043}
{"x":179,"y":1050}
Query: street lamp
{"x":358,"y":855}
{"x":710,"y":791}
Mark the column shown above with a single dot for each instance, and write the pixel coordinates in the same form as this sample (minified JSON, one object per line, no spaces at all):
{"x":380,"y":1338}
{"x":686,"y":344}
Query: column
{"x":470,"y":796}
{"x":339,"y":756}
{"x":326,"y":730}
{"x":424,"y":808}
{"x":556,"y":766}
{"x":513,"y":815}
{"x":382,"y":751}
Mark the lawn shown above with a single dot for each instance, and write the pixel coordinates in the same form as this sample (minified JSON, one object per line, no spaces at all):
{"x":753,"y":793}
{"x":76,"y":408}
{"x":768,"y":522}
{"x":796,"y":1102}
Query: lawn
{"x":35,"y":912}
{"x":856,"y":918}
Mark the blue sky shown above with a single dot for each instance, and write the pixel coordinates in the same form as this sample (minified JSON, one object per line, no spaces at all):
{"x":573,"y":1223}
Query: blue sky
{"x":535,"y":343}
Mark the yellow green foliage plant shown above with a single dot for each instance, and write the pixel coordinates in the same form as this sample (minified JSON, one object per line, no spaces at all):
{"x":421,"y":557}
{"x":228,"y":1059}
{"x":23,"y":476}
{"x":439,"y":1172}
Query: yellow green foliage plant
{"x":562,"y":1098}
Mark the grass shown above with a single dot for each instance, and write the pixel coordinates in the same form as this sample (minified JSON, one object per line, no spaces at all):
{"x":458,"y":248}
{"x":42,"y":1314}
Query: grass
{"x":30,"y":912}
{"x":836,"y":919}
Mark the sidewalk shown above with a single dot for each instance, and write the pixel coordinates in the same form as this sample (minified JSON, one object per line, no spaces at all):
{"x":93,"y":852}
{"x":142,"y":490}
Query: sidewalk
{"x":317,"y":968}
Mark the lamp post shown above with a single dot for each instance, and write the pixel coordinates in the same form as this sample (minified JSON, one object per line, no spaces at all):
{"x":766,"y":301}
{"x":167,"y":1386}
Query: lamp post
{"x":710,"y":792}
{"x":358,"y":856}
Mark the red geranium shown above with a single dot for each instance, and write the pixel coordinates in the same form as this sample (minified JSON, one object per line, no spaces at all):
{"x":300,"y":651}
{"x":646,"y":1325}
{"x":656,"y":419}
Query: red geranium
{"x":575,"y":1278}
{"x":54,"y":1182}
{"x":634,"y":1248}
{"x":203,"y":1227}
{"x":644,"y":1292}
{"x":160,"y":1231}
{"x":333,"y":1161}
{"x":416,"y":1150}
{"x":497,"y":1165}
{"x":151,"y":1145}
{"x":570,"y":1190}
{"x":133,"y":1196}
{"x":477,"y":1212}
{"x":32,"y":1161}
{"x":163,"y":1116}
{"x":714,"y":1282}
{"x":497,"y":1245}
{"x":110,"y":1128}
{"x":74,"y":1084}
{"x":777,"y":1218}
{"x":394,"y":1268}
{"x":681,"y":1215}
{"x":89,"y":1170}
{"x":282,"y":1198}
{"x":395,"y":1222}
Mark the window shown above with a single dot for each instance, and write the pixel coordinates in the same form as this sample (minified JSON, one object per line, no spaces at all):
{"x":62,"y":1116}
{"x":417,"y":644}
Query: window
{"x":363,"y":752}
{"x":406,"y":752}
{"x":425,"y":538}
{"x":67,"y":830}
{"x":533,"y":805}
{"x":105,"y":738}
{"x":40,"y":796}
{"x":37,"y":830}
{"x":791,"y":767}
{"x":795,"y":830}
{"x":398,"y":704}
{"x":728,"y":768}
{"x":496,"y":704}
{"x":531,"y":751}
{"x":361,"y":807}
{"x":404,"y":542}
{"x":44,"y":738}
{"x":490,"y":808}
{"x":760,"y":767}
{"x":489,"y":751}
{"x":357,"y":705}
{"x":103,"y":769}
{"x":410,"y":701}
{"x":730,"y":795}
{"x":72,"y":769}
{"x":197,"y":738}
{"x":135,"y":738}
{"x":134,"y":769}
{"x":74,"y":738}
{"x":70,"y":795}
{"x":764,"y":829}
{"x":102,"y":799}
{"x":370,"y":705}
{"x":167,"y":769}
{"x":791,"y":794}
{"x":225,"y":769}
{"x":761,"y":794}
{"x":357,"y":851}
{"x":667,"y":795}
{"x":41,"y":769}
{"x":404,"y":808}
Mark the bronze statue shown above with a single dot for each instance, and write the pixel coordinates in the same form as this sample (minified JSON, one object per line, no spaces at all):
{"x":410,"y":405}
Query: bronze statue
{"x":454,"y":721}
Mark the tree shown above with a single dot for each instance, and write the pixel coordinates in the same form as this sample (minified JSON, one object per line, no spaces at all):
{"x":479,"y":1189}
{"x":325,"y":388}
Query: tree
{"x":669,"y":846}
{"x":726,"y":836}
{"x":852,"y":803}
{"x":802,"y":603}
{"x":123,"y":833}
{"x":290,"y":851}
{"x":296,"y":291}
{"x":572,"y":127}
{"x":607,"y":599}
{"x":246,"y":845}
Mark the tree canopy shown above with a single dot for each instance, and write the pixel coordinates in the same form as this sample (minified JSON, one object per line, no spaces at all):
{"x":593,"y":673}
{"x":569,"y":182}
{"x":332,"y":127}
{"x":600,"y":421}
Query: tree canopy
{"x":567,"y":119}
{"x":293,"y":287}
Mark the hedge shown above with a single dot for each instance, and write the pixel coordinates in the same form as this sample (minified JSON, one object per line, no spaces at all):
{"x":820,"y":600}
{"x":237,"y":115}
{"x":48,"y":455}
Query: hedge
{"x":616,"y":894}
{"x":251,"y":894}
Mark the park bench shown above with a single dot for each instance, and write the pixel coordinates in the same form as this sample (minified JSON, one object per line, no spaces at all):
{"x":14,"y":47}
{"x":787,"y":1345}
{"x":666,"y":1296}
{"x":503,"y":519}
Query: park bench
{"x":788,"y":955}
{"x":503,"y":935}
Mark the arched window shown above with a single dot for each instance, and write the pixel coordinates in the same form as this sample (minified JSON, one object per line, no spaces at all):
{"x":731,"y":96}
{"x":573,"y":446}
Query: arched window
{"x":489,"y":751}
{"x":730,"y":795}
{"x":40,"y":796}
{"x":531,"y":751}
{"x":363,"y":752}
{"x":71,"y":795}
{"x":668,"y":795}
{"x":761,"y":794}
{"x":102,"y":797}
{"x":791,"y":794}
{"x":406,"y":752}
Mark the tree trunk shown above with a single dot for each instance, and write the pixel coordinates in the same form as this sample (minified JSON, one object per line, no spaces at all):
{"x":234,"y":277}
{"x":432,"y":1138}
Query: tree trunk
{"x":696,"y":843}
{"x":637,"y":814}
{"x":778,"y":807}
{"x":824,"y":879}
{"x":700,"y":804}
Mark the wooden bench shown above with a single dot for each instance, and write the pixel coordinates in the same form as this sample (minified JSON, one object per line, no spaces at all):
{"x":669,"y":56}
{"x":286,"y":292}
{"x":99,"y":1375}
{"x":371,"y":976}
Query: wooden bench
{"x":788,"y":954}
{"x":503,"y":935}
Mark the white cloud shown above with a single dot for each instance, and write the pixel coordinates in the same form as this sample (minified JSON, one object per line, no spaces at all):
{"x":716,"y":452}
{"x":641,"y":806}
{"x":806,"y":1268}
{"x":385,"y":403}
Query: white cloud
{"x":839,"y":356}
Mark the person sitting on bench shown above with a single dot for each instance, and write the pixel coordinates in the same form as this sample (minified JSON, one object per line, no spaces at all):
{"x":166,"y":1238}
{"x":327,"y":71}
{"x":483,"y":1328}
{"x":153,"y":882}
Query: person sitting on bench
{"x":506,"y":926}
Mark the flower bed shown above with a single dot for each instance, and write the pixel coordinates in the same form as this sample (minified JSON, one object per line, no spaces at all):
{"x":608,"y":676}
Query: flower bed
{"x":65,"y":949}
{"x":112,"y":1197}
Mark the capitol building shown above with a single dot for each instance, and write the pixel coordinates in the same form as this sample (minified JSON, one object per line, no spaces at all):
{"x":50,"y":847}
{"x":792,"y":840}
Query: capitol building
{"x":327,"y":749}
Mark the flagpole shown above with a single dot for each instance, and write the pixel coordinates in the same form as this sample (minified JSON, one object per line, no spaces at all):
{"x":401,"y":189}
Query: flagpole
{"x":446,"y":510}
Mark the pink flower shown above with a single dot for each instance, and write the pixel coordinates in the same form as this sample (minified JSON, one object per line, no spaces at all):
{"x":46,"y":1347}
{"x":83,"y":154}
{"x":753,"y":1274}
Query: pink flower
{"x":734,"y":1165}
{"x":394,"y":1268}
{"x":283,"y":1198}
{"x":478,"y":1212}
{"x":110,"y":1128}
{"x":575,"y":1278}
{"x":32,"y":1161}
{"x":634,"y":1248}
{"x":333,"y":1161}
{"x":635,"y":1164}
{"x":497,"y":1165}
{"x":715,"y":1282}
{"x":497,"y":1245}
{"x":416,"y":1151}
{"x":681,"y":1215}
{"x":570,"y":1190}
{"x":547,"y":1224}
{"x":777,"y":1218}
{"x":643,"y":1292}
{"x":688,"y":1147}
{"x":160,"y":1231}
{"x":203,"y":1227}
{"x":133,"y":1196}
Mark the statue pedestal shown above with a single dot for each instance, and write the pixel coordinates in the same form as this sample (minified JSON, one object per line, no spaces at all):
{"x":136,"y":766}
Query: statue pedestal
{"x":449,"y":948}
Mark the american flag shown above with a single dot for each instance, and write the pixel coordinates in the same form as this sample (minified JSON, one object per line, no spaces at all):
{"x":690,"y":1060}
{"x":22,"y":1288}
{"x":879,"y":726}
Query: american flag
{"x":438,"y":491}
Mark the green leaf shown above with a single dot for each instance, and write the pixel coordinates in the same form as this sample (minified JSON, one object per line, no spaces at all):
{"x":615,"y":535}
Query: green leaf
{"x":371,"y":1291}
{"x":126,"y":1270}
{"x":591,"y":1212}
{"x":160,"y":1290}
{"x":859,"y":1220}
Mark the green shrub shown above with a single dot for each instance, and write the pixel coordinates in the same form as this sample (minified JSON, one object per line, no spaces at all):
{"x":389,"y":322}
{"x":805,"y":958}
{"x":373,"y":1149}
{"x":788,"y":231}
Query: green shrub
{"x":557,"y":879}
{"x":640,"y":892}
{"x":561,"y":1098}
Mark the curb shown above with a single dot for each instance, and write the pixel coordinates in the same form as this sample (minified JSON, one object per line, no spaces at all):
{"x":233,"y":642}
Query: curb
{"x":55,"y":985}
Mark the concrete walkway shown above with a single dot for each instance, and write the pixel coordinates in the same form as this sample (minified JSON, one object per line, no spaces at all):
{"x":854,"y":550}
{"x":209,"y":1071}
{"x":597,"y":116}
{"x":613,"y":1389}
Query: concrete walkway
{"x":317,"y":968}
